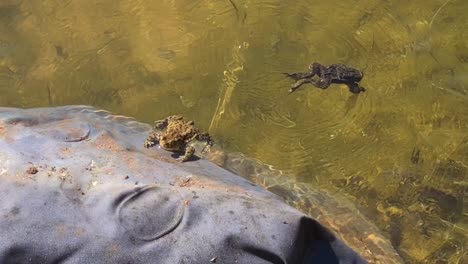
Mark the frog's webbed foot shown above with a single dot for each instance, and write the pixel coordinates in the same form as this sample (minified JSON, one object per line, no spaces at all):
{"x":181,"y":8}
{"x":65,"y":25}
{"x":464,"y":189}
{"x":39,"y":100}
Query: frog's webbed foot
{"x":189,"y":151}
{"x":303,"y":78}
{"x":151,"y":140}
{"x":355,"y":88}
{"x":314,"y":70}
{"x":298,"y":84}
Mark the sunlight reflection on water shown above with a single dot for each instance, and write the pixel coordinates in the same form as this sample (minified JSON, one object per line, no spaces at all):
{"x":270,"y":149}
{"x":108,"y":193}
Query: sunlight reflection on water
{"x":220,"y":63}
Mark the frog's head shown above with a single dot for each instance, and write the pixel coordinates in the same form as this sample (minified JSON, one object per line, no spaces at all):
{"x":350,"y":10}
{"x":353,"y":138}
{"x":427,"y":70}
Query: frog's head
{"x":169,"y":143}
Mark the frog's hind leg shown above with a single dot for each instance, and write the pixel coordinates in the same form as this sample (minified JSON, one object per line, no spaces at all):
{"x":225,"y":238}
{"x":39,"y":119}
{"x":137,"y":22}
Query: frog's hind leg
{"x":322,"y":83}
{"x":299,"y":83}
{"x":189,"y":151}
{"x":152,"y":139}
{"x":355,"y":88}
{"x":314,"y":69}
{"x":299,"y":75}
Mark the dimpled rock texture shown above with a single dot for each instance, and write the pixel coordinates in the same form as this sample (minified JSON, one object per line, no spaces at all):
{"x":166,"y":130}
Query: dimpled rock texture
{"x":77,"y":186}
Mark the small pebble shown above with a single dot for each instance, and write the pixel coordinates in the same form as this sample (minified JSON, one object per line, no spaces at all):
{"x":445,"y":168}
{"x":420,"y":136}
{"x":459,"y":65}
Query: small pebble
{"x":32,"y":170}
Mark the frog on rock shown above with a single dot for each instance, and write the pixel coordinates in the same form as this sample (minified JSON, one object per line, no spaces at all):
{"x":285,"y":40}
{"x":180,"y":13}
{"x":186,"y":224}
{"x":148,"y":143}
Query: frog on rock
{"x":177,"y":135}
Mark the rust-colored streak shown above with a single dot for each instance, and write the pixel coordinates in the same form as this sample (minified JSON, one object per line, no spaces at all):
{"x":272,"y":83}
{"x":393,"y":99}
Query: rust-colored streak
{"x":113,"y":248}
{"x":106,"y":142}
{"x":8,"y":133}
{"x":79,"y":232}
{"x":65,"y":151}
{"x":61,"y":229}
{"x":195,"y":181}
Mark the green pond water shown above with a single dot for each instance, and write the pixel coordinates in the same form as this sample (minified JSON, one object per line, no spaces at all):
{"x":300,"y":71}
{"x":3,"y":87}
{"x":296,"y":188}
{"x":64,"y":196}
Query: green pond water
{"x":399,"y":151}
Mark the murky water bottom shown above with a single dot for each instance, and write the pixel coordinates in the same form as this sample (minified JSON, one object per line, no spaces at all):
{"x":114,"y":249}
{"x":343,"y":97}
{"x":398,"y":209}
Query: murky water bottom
{"x":399,"y":151}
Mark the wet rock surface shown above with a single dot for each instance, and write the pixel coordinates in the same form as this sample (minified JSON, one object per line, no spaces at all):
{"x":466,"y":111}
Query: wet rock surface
{"x":332,"y":209}
{"x":77,"y":186}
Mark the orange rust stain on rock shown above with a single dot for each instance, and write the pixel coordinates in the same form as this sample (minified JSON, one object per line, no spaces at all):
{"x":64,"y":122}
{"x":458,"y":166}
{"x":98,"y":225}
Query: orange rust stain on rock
{"x":217,"y":156}
{"x":131,"y":162}
{"x":106,"y":142}
{"x":61,"y":229}
{"x":65,"y":151}
{"x":206,"y":183}
{"x":108,"y":171}
{"x":186,"y":182}
{"x":167,"y":160}
{"x":156,"y":156}
{"x":79,"y":232}
{"x":75,"y":132}
{"x":8,"y":133}
{"x":113,"y":248}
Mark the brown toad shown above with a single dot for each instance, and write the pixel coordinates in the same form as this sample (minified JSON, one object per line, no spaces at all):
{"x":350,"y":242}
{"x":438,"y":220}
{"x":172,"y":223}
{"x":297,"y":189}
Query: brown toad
{"x":176,"y":135}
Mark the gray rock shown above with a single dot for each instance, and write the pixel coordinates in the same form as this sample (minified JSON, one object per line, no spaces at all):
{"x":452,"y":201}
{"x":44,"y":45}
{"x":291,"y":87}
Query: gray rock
{"x":77,"y":186}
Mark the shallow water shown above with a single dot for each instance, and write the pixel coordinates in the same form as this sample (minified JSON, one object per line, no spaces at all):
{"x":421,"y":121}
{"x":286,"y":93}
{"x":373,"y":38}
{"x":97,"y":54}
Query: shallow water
{"x":399,"y":150}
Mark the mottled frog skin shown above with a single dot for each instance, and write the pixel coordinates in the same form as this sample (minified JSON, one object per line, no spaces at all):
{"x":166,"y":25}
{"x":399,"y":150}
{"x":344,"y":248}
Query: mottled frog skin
{"x":335,"y":73}
{"x":177,"y":135}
